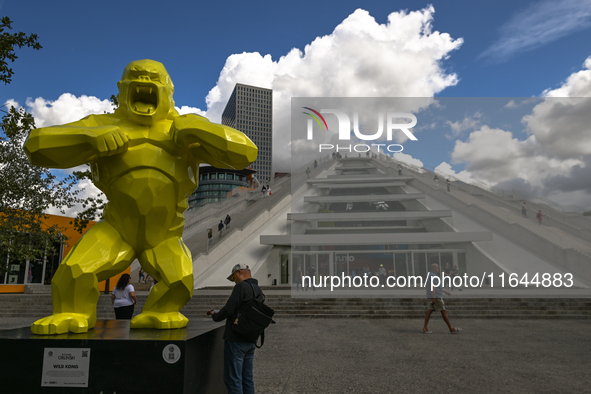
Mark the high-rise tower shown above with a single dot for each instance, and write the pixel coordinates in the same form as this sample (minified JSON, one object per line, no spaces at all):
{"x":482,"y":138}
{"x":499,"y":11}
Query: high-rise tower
{"x":250,"y":110}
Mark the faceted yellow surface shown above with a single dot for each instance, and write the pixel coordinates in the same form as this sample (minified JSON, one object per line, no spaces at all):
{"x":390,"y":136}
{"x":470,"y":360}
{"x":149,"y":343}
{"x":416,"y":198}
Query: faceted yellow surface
{"x":145,"y":158}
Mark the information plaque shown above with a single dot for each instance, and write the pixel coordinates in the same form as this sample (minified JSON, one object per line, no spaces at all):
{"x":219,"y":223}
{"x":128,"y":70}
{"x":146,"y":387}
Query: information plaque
{"x":65,"y":367}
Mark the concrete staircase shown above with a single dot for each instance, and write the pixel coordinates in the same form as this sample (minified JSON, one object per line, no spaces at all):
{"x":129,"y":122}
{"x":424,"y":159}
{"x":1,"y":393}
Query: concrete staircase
{"x":572,"y":253}
{"x":195,"y":233}
{"x":391,"y":308}
{"x":33,"y":305}
{"x":510,"y":216}
{"x":209,"y":215}
{"x":37,"y":289}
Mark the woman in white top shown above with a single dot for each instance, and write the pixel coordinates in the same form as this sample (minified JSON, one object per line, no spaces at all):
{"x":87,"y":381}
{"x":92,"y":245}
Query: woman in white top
{"x":123,"y":298}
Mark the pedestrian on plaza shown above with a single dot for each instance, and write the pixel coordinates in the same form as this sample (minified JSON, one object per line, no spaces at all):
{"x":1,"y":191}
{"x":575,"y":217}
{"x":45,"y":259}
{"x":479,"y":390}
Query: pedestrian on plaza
{"x":435,"y":300}
{"x":436,"y":180}
{"x":238,"y":353}
{"x":298,"y":278}
{"x":227,"y":221}
{"x":221,"y":228}
{"x":209,"y":237}
{"x":539,"y":217}
{"x":382,"y":274}
{"x":315,"y":164}
{"x":142,"y":276}
{"x":447,"y":270}
{"x":310,"y":272}
{"x":308,"y":172}
{"x":454,"y":272}
{"x":399,"y":170}
{"x":523,"y":210}
{"x":123,"y":298}
{"x":268,"y":190}
{"x":448,"y":183}
{"x":264,"y":191}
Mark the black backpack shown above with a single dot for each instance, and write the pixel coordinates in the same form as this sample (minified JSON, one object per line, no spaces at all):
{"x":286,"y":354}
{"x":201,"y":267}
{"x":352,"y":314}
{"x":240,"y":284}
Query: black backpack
{"x":252,"y":318}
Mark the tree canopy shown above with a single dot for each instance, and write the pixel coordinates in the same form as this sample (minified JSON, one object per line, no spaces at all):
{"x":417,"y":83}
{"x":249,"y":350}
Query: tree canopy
{"x":27,"y":192}
{"x":8,"y":42}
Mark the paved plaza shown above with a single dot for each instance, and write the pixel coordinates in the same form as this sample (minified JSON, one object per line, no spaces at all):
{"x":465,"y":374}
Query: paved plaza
{"x":392,"y":356}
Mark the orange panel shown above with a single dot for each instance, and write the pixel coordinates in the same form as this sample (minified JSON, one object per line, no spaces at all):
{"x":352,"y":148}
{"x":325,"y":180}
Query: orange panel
{"x":12,"y":288}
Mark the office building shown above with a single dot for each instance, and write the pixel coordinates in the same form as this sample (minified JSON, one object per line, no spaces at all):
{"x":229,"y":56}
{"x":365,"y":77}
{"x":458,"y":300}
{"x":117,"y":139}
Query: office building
{"x":250,"y":110}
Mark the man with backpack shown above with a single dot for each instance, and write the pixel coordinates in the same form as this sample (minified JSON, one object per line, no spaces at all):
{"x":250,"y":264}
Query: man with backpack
{"x":238,"y":348}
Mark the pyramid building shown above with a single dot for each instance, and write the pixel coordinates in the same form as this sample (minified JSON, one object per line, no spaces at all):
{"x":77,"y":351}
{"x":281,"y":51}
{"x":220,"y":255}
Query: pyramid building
{"x":367,"y":215}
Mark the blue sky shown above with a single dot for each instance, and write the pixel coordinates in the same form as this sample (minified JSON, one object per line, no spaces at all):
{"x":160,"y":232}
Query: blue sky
{"x":86,"y":46}
{"x":462,"y":48}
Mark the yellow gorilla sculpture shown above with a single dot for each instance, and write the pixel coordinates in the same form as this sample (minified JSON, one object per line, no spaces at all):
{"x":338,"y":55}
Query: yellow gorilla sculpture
{"x":145,"y":158}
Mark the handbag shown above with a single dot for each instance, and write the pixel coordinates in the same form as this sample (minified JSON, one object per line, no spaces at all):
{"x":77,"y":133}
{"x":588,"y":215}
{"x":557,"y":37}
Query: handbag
{"x":252,"y":318}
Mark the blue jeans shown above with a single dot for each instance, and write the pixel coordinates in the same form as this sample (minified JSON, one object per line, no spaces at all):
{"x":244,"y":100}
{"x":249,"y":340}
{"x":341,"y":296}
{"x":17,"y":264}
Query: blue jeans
{"x":238,"y":361}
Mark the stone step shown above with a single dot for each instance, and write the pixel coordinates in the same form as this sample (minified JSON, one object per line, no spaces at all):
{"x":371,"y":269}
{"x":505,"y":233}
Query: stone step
{"x":38,"y":298}
{"x":37,"y":289}
{"x":404,"y":316}
{"x":525,"y":313}
{"x":279,"y":309}
{"x":34,"y":305}
{"x":198,"y":301}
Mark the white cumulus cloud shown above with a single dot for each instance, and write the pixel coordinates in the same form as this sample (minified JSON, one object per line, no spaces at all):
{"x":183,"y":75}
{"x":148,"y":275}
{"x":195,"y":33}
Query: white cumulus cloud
{"x":468,"y":123}
{"x":553,"y":161}
{"x":67,"y":108}
{"x":408,"y":159}
{"x":360,"y":58}
{"x":190,"y":110}
{"x":577,"y":84}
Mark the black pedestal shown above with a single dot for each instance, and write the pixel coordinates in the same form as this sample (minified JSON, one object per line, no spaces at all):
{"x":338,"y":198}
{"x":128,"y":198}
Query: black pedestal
{"x":188,"y":360}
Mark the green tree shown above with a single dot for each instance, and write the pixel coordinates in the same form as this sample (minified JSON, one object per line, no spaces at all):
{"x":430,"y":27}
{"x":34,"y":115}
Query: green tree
{"x":8,"y":42}
{"x":26,"y":193}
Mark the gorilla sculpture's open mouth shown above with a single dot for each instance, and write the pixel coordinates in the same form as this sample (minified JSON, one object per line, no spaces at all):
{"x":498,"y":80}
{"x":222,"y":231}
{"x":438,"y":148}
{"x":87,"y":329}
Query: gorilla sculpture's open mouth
{"x":143,"y":98}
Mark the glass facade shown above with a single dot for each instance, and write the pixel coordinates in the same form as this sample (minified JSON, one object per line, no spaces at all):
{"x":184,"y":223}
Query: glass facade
{"x":357,"y":263}
{"x":38,"y":271}
{"x":215,"y":184}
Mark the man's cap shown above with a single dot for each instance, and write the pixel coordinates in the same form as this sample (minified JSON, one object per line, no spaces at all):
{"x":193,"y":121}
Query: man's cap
{"x":237,"y":267}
